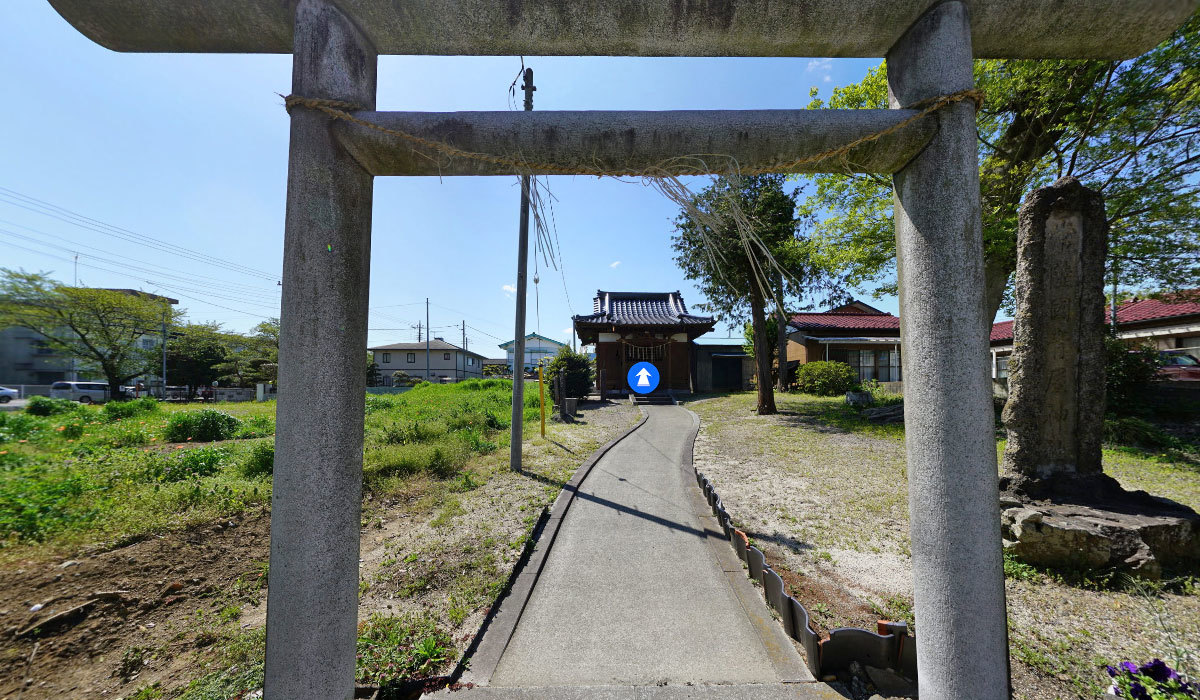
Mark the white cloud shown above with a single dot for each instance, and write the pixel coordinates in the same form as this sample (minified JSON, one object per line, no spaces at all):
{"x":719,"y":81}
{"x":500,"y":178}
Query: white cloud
{"x":614,"y":264}
{"x":828,"y":79}
{"x":568,"y":331}
{"x":509,"y":288}
{"x":819,"y":64}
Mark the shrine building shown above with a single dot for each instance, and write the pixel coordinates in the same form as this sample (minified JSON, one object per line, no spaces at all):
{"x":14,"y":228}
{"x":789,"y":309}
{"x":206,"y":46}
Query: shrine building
{"x":631,"y":327}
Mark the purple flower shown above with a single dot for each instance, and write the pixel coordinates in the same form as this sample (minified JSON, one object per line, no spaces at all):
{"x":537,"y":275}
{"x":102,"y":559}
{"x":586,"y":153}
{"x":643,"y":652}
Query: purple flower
{"x":1112,"y":672}
{"x":1137,"y":691}
{"x":1158,"y":670}
{"x":1129,"y":667}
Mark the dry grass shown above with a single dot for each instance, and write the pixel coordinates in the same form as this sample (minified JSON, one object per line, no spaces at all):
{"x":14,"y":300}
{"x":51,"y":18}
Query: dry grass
{"x":825,"y":496}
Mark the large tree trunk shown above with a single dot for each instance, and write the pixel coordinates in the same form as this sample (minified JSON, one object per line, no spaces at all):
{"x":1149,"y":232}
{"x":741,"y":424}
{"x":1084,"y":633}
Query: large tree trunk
{"x":781,"y":378}
{"x":762,"y":355}
{"x":996,"y":272}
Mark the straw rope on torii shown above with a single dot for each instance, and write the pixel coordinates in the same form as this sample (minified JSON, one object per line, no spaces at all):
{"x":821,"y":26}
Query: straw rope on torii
{"x":343,"y":110}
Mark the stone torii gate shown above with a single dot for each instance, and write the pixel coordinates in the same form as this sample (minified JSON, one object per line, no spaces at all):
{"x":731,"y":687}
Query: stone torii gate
{"x":929,"y":45}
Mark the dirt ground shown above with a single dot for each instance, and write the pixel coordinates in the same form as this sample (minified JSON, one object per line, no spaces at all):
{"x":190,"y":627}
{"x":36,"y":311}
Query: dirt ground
{"x":160,"y":610}
{"x":829,"y":509}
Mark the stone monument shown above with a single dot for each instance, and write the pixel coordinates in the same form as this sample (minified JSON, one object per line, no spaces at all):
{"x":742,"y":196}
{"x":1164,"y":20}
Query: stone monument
{"x":1060,"y":509}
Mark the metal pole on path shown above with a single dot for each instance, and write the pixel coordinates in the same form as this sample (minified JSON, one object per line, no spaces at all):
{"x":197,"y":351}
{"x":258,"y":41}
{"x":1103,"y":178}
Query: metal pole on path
{"x":518,"y":397}
{"x":542,"y":400}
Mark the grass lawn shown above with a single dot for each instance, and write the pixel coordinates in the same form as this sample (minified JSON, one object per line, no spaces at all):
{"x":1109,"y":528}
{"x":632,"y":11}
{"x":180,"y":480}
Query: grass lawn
{"x":824,"y":494}
{"x":143,"y":503}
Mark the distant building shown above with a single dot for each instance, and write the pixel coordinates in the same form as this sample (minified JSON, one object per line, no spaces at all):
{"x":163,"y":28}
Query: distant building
{"x":857,"y":334}
{"x":1171,"y":323}
{"x":447,"y":362}
{"x":631,"y":327}
{"x":722,"y":364}
{"x":537,"y":349}
{"x":27,"y":358}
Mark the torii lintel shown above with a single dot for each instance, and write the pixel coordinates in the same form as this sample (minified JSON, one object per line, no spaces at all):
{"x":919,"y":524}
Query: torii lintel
{"x":837,"y":28}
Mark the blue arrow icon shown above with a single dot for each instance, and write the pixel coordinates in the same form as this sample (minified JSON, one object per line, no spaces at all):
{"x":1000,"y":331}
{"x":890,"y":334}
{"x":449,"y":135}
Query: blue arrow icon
{"x":643,"y":377}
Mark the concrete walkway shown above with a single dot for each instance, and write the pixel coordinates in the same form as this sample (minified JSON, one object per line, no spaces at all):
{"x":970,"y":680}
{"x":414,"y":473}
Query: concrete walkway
{"x":640,"y":592}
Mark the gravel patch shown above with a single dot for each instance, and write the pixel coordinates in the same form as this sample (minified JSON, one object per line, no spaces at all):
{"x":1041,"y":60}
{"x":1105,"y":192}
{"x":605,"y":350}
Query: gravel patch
{"x":830,"y":506}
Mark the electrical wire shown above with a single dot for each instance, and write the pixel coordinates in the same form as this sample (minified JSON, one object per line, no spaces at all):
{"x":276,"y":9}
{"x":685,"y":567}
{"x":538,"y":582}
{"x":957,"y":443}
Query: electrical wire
{"x":44,"y":208}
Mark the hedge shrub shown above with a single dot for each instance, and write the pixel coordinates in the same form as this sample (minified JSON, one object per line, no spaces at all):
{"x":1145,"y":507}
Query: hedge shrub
{"x":825,"y":378}
{"x":119,"y":410}
{"x":46,"y":406}
{"x":206,"y":425}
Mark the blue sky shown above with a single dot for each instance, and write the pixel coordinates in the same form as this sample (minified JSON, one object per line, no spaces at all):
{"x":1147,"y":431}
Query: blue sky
{"x":191,"y":150}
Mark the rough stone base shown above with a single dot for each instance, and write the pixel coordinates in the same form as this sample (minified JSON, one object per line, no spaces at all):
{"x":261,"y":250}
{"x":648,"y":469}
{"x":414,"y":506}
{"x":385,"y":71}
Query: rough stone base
{"x":1099,"y":526}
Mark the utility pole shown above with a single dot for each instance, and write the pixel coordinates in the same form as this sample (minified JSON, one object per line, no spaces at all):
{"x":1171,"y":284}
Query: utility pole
{"x":464,"y":329}
{"x":164,"y":354}
{"x":518,"y":400}
{"x":428,"y":330}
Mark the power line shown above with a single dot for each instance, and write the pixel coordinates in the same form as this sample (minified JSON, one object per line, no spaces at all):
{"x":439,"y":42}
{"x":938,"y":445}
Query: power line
{"x":200,"y":282}
{"x":74,"y":247}
{"x":44,"y":208}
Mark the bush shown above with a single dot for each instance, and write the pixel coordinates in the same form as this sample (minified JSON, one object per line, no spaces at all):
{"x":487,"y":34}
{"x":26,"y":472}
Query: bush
{"x":46,"y":406}
{"x":256,"y":427}
{"x":259,"y":461}
{"x":188,"y":464}
{"x":1137,"y":433}
{"x":206,"y":425}
{"x":825,"y":378}
{"x":14,"y":427}
{"x":575,"y":367}
{"x":1128,"y":368}
{"x":120,"y":410}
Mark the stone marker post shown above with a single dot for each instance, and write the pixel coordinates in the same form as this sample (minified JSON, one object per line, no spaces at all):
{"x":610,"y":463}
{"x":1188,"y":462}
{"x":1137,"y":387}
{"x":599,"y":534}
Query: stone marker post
{"x":962,"y":647}
{"x":312,"y":592}
{"x":1055,"y":409}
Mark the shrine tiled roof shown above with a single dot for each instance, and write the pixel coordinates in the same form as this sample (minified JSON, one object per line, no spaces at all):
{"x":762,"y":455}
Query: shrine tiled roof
{"x":641,"y":309}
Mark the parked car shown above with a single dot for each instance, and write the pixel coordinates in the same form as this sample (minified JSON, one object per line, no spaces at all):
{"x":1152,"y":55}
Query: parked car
{"x":7,"y":394}
{"x":1179,"y":367}
{"x":83,"y":392}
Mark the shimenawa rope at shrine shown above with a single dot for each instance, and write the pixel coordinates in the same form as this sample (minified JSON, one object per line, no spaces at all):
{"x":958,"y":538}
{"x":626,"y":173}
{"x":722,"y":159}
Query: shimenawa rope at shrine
{"x":339,"y":109}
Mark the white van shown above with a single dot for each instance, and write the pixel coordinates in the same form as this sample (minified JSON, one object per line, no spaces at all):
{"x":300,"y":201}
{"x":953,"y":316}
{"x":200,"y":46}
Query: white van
{"x":83,"y":392}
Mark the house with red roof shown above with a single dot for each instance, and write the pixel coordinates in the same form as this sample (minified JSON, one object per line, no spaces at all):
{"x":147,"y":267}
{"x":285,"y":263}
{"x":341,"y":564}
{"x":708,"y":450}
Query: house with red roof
{"x":858,"y":334}
{"x":1169,"y":323}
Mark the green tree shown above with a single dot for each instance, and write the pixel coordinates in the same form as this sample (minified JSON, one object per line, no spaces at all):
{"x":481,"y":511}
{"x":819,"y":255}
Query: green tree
{"x":734,"y":239}
{"x":575,"y":367}
{"x":1129,"y":129}
{"x":194,"y":352}
{"x":103,"y":328}
{"x":374,"y":377}
{"x":252,"y":359}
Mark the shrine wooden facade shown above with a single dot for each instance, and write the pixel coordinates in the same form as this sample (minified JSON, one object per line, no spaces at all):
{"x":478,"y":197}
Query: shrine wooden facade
{"x":632,"y":327}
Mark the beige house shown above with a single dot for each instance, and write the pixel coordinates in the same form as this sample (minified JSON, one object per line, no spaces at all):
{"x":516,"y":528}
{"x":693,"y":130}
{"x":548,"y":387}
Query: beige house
{"x":447,"y":362}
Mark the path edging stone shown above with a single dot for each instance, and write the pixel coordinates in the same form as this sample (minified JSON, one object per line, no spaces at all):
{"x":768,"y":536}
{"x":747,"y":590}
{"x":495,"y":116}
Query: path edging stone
{"x":891,"y":648}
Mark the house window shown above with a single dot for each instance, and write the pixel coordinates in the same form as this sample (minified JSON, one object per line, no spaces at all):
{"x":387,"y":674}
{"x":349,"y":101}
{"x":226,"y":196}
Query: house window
{"x":881,"y":365}
{"x":470,"y":361}
{"x":147,"y":343}
{"x":387,"y":357}
{"x":1002,"y":363}
{"x":446,"y":356}
{"x":412,"y":357}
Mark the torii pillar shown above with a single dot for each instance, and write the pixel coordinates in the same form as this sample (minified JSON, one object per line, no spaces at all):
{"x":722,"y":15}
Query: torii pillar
{"x":953,"y":499}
